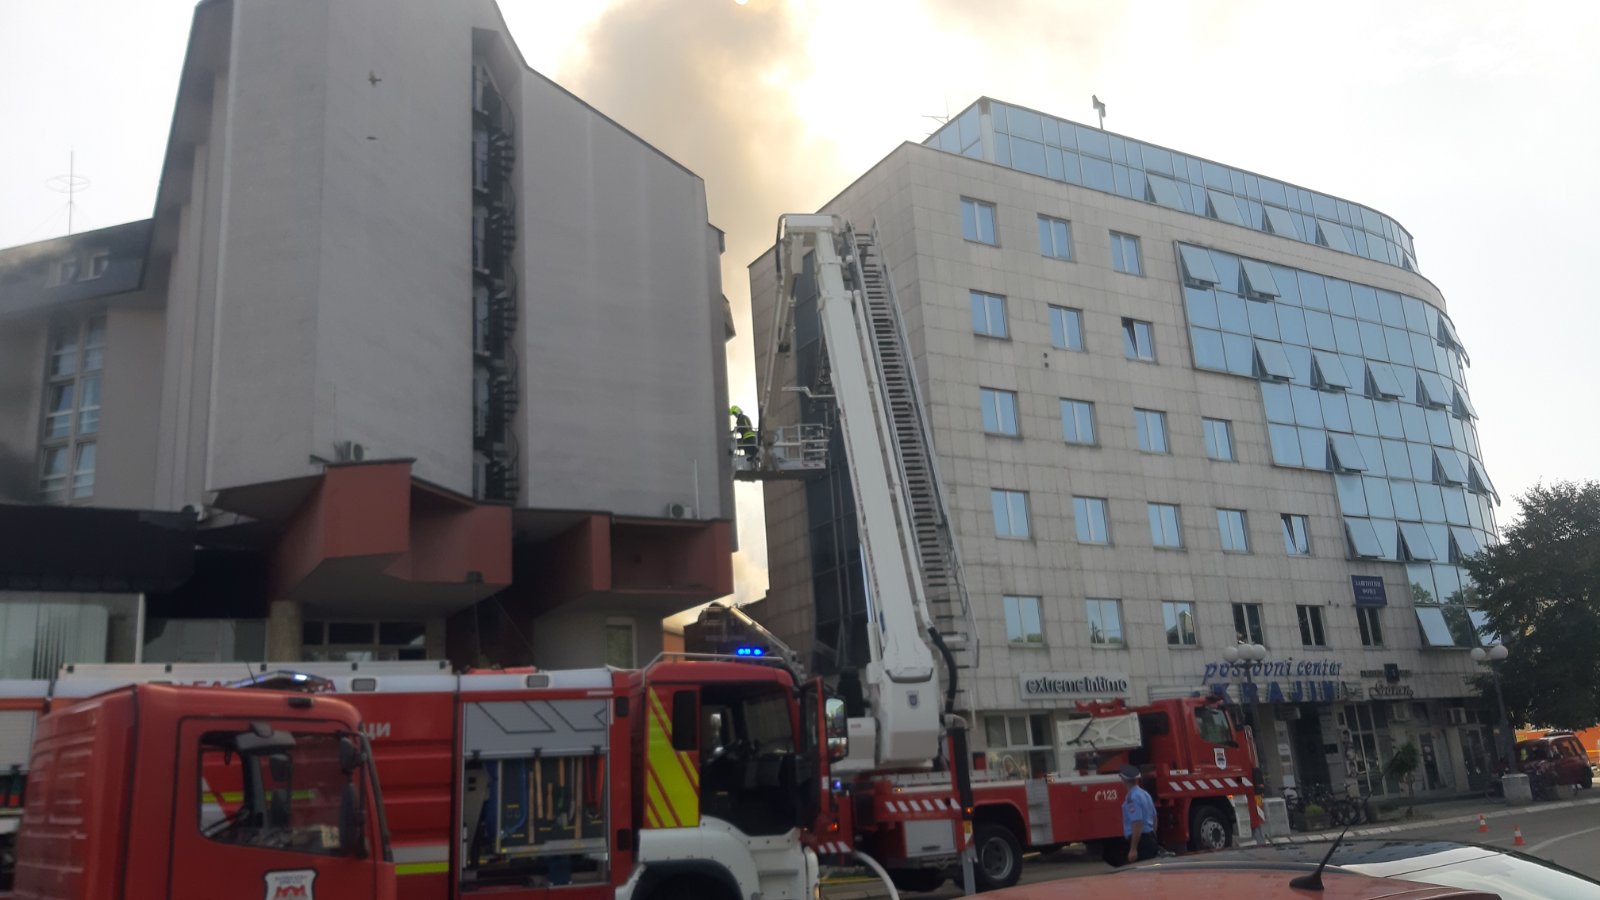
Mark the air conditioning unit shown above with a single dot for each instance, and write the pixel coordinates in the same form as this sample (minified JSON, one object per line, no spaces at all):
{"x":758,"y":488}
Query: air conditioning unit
{"x":1399,"y":712}
{"x":349,"y":451}
{"x":1458,"y":715}
{"x":680,"y":511}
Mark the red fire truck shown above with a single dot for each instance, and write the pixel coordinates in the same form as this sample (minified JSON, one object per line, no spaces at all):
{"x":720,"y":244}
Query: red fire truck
{"x":688,"y":778}
{"x":190,"y":793}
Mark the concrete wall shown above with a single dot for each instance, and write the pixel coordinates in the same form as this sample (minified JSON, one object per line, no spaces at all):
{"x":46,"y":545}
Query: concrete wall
{"x":576,"y":638}
{"x":621,"y":333}
{"x":22,"y":371}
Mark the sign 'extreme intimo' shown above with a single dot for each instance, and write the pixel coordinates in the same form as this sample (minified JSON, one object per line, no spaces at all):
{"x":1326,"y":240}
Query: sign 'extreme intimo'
{"x":1075,"y":685}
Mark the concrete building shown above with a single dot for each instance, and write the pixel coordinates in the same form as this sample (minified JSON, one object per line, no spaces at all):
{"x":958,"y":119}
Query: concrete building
{"x":1178,"y":407}
{"x":418,"y":354}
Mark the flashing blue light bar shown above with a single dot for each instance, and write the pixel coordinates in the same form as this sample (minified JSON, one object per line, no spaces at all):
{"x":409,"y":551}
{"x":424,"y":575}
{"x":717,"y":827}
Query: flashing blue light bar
{"x":749,"y":651}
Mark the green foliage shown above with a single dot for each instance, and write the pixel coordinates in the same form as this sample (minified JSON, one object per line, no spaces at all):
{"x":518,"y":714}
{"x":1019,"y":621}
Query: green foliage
{"x":1541,"y":588}
{"x":1313,"y":809}
{"x":1405,"y":760}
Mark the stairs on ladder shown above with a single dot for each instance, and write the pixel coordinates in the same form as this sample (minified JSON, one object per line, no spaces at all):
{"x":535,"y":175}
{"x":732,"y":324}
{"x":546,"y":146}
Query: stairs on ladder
{"x":943,"y":587}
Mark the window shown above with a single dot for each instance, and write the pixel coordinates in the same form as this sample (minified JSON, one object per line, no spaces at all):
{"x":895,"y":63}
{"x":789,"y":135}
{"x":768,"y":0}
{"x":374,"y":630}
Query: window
{"x":1125,"y":254}
{"x":988,"y":314}
{"x":1212,"y":725}
{"x":1247,"y":623}
{"x":1371,"y":626}
{"x":1164,"y":530}
{"x":1105,"y":623}
{"x":1022,"y":620}
{"x":1177,"y":616}
{"x":1055,"y":238}
{"x":363,"y":641}
{"x":620,"y":645}
{"x":1219,"y":439}
{"x":977,"y":221}
{"x":1019,"y":746}
{"x":99,"y":262}
{"x":1152,"y":427}
{"x":71,"y":410}
{"x":999,"y":411}
{"x":290,"y":795}
{"x":68,"y":270}
{"x":1296,"y":540}
{"x":1311,"y":626}
{"x":1010,"y":513}
{"x":1235,"y":539}
{"x":1077,"y":421}
{"x":1066,"y":328}
{"x":1090,"y":515}
{"x":1138,"y":340}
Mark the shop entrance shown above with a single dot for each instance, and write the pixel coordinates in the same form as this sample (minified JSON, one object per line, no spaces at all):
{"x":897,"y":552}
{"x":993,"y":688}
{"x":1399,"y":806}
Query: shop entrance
{"x":1310,"y":754}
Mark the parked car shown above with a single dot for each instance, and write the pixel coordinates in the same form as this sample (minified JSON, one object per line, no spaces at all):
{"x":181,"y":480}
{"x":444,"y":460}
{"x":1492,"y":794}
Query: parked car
{"x":1503,"y":873}
{"x":1557,"y":759}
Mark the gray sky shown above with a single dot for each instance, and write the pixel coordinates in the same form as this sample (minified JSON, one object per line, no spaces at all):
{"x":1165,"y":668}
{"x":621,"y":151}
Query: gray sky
{"x":1474,"y":124}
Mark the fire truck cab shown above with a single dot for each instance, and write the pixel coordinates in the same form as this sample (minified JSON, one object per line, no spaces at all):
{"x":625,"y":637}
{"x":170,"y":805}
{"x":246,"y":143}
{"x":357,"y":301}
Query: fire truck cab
{"x":179,"y":792}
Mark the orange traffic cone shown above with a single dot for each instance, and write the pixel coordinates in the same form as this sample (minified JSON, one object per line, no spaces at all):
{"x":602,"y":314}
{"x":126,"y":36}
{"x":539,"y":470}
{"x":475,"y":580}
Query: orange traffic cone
{"x":1483,"y":824}
{"x":1516,"y":836}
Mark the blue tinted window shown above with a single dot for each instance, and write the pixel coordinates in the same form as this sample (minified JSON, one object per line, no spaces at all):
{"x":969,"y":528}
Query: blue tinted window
{"x":988,"y":314}
{"x":1372,"y":343}
{"x":1307,"y":408}
{"x":1347,"y":335}
{"x":1055,"y":237}
{"x":1352,"y":496}
{"x":1389,"y":424}
{"x":1405,"y":499}
{"x":1366,"y":301}
{"x":1285,"y":441}
{"x":1292,"y":325}
{"x":1024,"y":123}
{"x":1027,"y":156}
{"x":1389,"y":309}
{"x":1208,"y":353}
{"x":1299,"y":363}
{"x":1201,"y":305}
{"x":1314,"y":448}
{"x":1240,"y":352}
{"x":1455,"y":505}
{"x":1263,"y":320}
{"x":1415,"y":421}
{"x":1278,"y":402}
{"x":1371,"y":452}
{"x":1097,"y":174}
{"x":1094,"y":142}
{"x":1232,"y":312}
{"x":977,"y":221}
{"x":1002,"y":149}
{"x":1363,"y":419}
{"x":1416,"y":319}
{"x":1379,"y":503}
{"x":1398,"y":344}
{"x":1319,"y":330}
{"x":1335,"y":414}
{"x":1125,"y":254}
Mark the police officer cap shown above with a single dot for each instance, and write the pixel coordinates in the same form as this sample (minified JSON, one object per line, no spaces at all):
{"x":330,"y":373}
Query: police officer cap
{"x":1130,"y":773}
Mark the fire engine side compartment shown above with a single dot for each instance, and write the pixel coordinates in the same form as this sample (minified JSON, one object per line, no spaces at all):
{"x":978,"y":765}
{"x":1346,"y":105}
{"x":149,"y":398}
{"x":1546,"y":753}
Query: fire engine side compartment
{"x":81,"y":778}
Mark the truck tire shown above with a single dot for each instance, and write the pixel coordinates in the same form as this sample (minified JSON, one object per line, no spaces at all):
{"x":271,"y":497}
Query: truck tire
{"x":1208,"y":829}
{"x":916,"y":881}
{"x":998,"y":853}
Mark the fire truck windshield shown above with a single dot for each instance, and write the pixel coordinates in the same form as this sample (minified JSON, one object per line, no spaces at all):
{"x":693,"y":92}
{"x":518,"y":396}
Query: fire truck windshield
{"x":748,"y":757}
{"x":1213,"y":726}
{"x":300,"y":792}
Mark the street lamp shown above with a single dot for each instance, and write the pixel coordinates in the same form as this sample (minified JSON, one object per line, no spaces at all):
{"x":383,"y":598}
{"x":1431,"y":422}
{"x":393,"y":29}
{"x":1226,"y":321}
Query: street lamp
{"x":1494,"y":653}
{"x":1247,"y":653}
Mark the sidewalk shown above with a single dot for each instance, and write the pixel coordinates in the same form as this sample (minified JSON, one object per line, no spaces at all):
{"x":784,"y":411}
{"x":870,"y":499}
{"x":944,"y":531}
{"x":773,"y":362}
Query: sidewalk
{"x":1449,"y":812}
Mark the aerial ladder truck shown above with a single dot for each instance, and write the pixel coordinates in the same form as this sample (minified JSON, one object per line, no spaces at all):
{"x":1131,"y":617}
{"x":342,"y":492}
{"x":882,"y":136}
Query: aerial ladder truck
{"x":914,"y":805}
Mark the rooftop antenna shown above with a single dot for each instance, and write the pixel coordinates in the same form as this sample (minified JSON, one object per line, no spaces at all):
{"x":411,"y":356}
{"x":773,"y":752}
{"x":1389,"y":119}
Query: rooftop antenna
{"x":942,"y":120}
{"x":1099,"y":107}
{"x":69,"y":184}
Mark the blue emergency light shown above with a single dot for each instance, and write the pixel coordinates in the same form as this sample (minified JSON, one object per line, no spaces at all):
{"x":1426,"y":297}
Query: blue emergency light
{"x":749,"y":651}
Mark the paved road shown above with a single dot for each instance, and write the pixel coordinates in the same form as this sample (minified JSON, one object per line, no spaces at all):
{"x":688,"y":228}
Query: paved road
{"x":1567,"y":836}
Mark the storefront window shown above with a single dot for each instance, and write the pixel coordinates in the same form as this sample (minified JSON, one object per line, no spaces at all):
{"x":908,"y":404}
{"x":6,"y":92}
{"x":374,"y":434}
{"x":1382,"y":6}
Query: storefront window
{"x":42,"y":631}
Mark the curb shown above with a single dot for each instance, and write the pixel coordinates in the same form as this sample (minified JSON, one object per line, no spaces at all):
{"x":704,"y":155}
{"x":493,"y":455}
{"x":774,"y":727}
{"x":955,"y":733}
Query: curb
{"x":1531,"y":809}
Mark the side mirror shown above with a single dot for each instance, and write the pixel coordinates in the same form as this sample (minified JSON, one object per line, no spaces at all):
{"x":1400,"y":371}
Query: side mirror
{"x":838,"y":729}
{"x":350,"y":755}
{"x":352,"y":823}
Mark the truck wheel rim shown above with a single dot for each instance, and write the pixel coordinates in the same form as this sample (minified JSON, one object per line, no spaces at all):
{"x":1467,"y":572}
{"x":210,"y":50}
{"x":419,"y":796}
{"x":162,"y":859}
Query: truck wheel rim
{"x":996,"y":859}
{"x":1213,"y":834}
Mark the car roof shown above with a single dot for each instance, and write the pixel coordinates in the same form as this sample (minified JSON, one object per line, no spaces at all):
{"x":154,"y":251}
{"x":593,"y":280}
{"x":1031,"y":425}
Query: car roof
{"x":1235,"y":883}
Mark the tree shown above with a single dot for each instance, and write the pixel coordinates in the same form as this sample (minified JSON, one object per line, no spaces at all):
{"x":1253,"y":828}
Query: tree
{"x":1403,"y":765}
{"x":1541,"y":589}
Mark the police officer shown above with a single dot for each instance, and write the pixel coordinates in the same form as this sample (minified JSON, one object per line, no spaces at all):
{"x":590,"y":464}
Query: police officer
{"x":1138,"y":818}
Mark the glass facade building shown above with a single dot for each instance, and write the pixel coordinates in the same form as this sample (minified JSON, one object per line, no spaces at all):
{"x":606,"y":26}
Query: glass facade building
{"x":1177,"y":405}
{"x":1044,"y":145}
